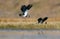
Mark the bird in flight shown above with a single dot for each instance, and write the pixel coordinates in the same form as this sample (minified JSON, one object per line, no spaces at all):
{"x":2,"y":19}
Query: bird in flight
{"x":25,"y":9}
{"x":42,"y":20}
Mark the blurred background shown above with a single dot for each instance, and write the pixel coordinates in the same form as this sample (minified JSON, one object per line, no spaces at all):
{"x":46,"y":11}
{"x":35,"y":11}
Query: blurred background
{"x":41,"y":8}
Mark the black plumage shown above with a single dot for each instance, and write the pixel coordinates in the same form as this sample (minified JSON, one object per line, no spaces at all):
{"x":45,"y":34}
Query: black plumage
{"x":44,"y":19}
{"x":29,"y":6}
{"x":24,"y":8}
{"x":39,"y":20}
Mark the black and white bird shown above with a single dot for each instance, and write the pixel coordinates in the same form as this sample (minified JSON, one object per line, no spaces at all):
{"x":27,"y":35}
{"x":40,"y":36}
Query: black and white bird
{"x":42,"y":20}
{"x":25,"y":9}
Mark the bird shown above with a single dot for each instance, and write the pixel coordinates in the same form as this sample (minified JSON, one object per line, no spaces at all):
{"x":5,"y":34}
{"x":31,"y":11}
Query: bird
{"x":42,"y":20}
{"x":25,"y":10}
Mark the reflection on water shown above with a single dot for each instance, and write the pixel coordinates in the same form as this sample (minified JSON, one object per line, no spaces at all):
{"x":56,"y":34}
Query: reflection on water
{"x":29,"y":34}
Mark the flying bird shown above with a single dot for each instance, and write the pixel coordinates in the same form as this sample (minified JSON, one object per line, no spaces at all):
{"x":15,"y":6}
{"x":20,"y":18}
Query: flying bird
{"x":42,"y":20}
{"x":25,"y":9}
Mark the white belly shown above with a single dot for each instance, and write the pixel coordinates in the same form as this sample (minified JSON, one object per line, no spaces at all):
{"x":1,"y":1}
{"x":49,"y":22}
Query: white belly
{"x":25,"y":14}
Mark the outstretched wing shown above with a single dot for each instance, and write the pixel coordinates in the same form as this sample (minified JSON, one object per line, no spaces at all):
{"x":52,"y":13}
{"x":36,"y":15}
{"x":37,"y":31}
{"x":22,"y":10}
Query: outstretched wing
{"x":29,"y":6}
{"x":23,"y":8}
{"x":44,"y":19}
